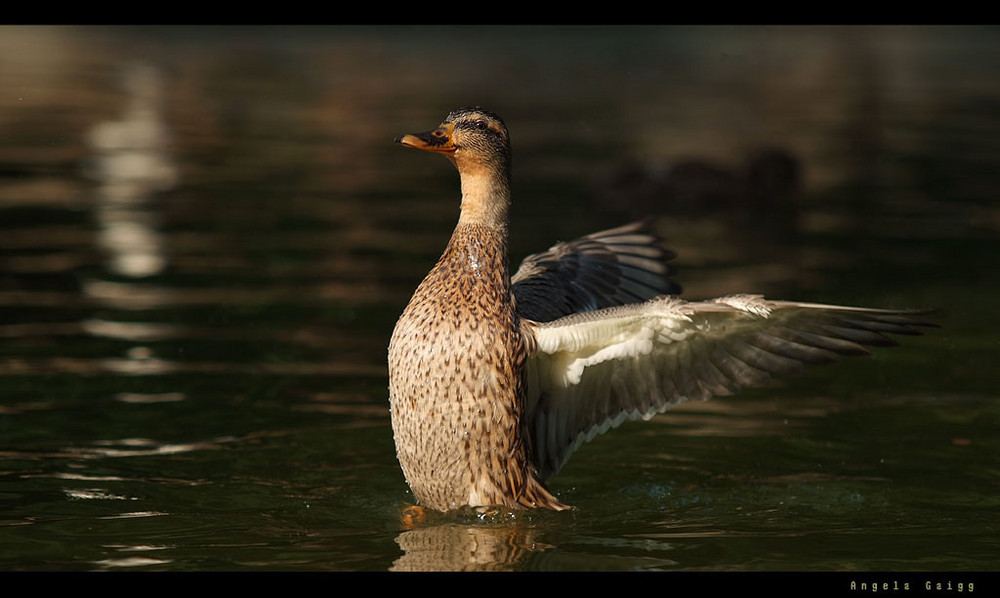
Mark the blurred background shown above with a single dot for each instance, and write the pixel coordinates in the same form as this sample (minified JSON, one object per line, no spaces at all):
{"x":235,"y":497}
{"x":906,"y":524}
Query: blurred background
{"x":206,"y":235}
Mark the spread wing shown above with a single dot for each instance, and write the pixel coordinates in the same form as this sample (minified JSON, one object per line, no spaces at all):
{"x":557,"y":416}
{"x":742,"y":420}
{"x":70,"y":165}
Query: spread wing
{"x":613,"y":267}
{"x":592,"y":371}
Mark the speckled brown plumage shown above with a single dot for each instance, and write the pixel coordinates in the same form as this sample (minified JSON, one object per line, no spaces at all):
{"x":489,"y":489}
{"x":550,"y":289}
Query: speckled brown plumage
{"x":457,"y":357}
{"x":495,"y":380}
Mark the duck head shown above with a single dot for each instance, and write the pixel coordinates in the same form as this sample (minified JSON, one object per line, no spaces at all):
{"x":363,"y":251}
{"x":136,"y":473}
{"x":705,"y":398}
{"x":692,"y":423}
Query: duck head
{"x":468,"y":137}
{"x":477,"y":143}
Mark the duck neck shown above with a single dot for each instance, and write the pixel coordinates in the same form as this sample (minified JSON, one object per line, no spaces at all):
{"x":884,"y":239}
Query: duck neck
{"x":479,"y":244}
{"x":486,"y":198}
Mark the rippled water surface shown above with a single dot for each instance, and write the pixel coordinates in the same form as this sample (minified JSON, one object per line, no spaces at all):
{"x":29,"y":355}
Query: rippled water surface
{"x":206,"y":236}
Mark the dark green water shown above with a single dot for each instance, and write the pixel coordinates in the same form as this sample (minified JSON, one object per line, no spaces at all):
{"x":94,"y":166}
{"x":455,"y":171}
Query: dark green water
{"x":206,"y":236}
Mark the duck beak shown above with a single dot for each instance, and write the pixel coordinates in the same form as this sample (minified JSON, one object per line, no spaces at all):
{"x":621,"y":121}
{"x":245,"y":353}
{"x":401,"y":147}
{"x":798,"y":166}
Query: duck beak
{"x":438,"y":140}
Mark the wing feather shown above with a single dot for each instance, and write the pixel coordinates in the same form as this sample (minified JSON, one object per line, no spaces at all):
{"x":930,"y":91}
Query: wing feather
{"x":613,"y":267}
{"x":594,"y":370}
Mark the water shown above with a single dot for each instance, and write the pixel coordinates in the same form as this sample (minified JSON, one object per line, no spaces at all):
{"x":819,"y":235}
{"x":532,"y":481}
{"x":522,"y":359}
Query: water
{"x":206,"y":236}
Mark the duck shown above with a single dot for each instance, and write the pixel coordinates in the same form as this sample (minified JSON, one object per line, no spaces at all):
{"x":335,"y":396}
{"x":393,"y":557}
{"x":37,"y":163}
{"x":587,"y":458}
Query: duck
{"x":495,"y":379}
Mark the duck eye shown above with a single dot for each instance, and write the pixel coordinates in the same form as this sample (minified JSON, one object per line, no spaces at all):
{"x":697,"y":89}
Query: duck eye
{"x":480,"y":125}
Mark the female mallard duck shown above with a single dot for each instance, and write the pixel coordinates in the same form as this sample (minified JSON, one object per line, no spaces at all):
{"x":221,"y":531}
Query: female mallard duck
{"x":494,"y":381}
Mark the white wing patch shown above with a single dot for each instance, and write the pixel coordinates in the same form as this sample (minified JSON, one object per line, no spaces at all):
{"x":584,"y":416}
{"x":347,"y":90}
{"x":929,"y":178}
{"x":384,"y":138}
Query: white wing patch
{"x":578,"y":342}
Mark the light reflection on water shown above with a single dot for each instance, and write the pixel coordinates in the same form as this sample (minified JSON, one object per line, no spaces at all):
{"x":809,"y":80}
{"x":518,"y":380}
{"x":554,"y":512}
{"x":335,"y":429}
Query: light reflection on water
{"x":207,"y":238}
{"x":131,"y":164}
